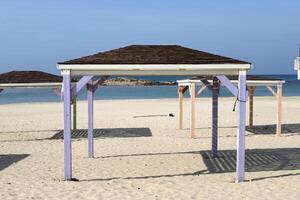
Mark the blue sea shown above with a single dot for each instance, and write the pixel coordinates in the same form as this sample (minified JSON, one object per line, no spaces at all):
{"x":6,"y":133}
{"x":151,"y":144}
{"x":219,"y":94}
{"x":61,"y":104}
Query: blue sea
{"x":17,"y":95}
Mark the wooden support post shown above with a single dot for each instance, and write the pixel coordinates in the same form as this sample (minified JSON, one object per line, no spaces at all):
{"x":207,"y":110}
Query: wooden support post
{"x":242,"y":99}
{"x":279,"y":109}
{"x":180,"y":95}
{"x":90,"y":98}
{"x":74,"y":103}
{"x":192,"y":91}
{"x":67,"y":127}
{"x":215,"y":95}
{"x":251,"y":95}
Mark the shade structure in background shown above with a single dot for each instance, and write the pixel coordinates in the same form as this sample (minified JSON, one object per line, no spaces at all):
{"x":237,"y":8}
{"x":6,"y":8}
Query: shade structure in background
{"x":253,"y":81}
{"x":35,"y":79}
{"x":151,"y":60}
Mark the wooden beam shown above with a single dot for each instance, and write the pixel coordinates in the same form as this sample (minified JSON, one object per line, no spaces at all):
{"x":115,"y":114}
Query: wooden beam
{"x":180,"y":96}
{"x":80,"y":84}
{"x":251,"y":95}
{"x":193,"y":99}
{"x":279,"y":109}
{"x":207,"y":84}
{"x":57,"y":91}
{"x":203,"y":87}
{"x":227,"y":83}
{"x":272,"y":91}
{"x":99,"y":82}
{"x":183,"y":89}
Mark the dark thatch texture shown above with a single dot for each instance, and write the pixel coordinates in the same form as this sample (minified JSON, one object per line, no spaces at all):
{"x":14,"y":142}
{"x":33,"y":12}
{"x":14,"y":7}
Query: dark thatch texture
{"x":154,"y":54}
{"x":29,"y":77}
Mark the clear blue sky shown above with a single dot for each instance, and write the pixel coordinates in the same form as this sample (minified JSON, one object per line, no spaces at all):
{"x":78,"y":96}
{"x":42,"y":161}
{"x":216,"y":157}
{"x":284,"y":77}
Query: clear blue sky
{"x":38,"y":34}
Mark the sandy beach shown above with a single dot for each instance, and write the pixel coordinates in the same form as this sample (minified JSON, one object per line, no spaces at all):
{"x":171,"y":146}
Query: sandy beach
{"x":138,"y":156}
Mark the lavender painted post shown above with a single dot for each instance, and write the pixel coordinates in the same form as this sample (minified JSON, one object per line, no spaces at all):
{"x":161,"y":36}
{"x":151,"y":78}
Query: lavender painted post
{"x":80,"y":84}
{"x":90,"y":97}
{"x":74,"y":104}
{"x":215,"y":95}
{"x":227,"y":83}
{"x":67,"y":126}
{"x":242,"y":99}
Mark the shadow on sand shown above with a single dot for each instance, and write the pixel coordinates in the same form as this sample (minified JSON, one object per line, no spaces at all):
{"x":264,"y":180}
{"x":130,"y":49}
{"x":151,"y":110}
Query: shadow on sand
{"x":107,"y":133}
{"x":271,"y":129}
{"x":256,"y":160}
{"x":9,"y":159}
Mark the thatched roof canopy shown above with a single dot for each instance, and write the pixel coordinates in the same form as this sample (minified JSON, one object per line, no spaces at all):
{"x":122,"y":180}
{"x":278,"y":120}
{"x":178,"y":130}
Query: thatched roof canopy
{"x":154,"y":54}
{"x":29,"y":77}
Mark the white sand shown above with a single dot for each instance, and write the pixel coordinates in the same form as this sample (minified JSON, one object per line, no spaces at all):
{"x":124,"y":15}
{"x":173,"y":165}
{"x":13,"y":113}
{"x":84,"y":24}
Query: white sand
{"x":167,"y":165}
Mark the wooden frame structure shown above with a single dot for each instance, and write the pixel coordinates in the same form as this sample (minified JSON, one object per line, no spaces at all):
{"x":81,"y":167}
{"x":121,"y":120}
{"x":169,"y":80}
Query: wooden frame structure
{"x":214,"y":86}
{"x":36,"y":79}
{"x":150,"y":60}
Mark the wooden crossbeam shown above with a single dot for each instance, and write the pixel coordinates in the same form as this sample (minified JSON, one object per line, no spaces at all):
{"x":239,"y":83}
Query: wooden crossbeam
{"x":183,"y":89}
{"x":80,"y":84}
{"x":207,"y":84}
{"x":227,"y":83}
{"x":99,"y":82}
{"x":272,"y":91}
{"x":203,"y":87}
{"x":57,"y":91}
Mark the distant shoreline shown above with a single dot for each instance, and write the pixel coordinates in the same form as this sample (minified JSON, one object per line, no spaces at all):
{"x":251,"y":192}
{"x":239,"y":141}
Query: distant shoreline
{"x":122,"y":81}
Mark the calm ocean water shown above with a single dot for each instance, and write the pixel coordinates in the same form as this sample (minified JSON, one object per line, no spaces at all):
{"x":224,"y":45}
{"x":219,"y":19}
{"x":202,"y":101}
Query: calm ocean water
{"x":290,"y":88}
